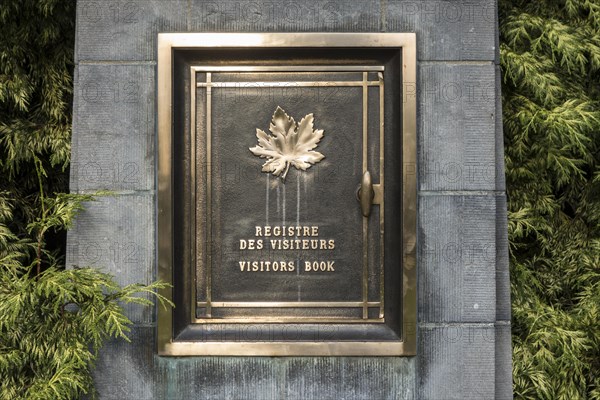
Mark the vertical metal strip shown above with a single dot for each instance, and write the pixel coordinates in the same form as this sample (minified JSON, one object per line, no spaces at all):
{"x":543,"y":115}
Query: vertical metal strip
{"x":193,"y":258}
{"x":365,"y":274}
{"x":382,"y":202}
{"x":208,"y":195}
{"x":409,"y":195}
{"x":164,"y":229}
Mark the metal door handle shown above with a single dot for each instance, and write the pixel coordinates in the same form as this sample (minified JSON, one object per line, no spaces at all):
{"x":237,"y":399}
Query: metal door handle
{"x":365,"y":194}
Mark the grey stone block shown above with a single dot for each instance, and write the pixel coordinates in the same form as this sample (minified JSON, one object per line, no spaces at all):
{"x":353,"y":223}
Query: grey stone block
{"x":503,"y":362}
{"x":116,"y":235}
{"x":200,"y":378}
{"x":126,"y":370}
{"x":113,"y":125}
{"x":462,"y":238}
{"x":457,"y":116}
{"x":285,"y":378}
{"x":350,"y":378}
{"x":502,"y":262}
{"x":500,"y":171}
{"x":446,"y":30}
{"x":496,"y":33}
{"x":285,"y":16}
{"x":125,"y":30}
{"x":132,"y":371}
{"x":457,"y":253}
{"x":456,"y":362}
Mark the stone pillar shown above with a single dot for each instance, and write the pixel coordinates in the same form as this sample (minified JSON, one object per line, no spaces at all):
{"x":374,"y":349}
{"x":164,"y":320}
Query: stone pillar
{"x":463,"y":286}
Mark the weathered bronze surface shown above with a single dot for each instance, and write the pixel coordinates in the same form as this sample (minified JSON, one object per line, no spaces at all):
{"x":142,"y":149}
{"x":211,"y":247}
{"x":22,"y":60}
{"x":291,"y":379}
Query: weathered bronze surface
{"x":295,"y":244}
{"x":272,"y":248}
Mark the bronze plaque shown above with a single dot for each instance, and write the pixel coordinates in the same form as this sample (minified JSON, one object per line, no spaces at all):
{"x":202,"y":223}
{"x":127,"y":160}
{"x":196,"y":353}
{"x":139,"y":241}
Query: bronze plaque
{"x":287,"y":192}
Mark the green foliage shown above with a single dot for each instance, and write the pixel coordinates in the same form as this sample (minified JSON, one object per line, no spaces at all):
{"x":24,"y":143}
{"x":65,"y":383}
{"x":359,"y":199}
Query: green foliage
{"x":550,"y":57}
{"x":53,"y":320}
{"x":52,"y":326}
{"x":36,"y":82}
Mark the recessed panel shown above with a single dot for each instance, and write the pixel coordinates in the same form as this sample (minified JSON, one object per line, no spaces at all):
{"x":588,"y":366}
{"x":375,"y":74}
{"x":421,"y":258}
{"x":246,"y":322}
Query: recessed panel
{"x":288,"y":242}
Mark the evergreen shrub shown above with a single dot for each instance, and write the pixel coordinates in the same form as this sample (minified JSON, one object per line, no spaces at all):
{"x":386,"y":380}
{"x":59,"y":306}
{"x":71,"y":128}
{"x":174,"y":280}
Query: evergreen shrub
{"x":550,"y":59}
{"x":53,"y":320}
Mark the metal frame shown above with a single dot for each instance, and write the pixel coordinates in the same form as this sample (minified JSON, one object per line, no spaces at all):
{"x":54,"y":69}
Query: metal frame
{"x":211,"y":86}
{"x":406,"y":43}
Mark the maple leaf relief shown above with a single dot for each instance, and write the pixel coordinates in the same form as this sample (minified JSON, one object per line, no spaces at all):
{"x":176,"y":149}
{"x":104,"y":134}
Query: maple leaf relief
{"x":288,"y":144}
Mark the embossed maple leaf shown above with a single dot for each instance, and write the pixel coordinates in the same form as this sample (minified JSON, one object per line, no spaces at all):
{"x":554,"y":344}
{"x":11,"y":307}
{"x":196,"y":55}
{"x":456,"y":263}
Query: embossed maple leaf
{"x":288,"y":144}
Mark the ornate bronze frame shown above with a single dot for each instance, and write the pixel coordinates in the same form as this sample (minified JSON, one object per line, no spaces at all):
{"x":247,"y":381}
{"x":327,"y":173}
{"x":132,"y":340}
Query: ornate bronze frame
{"x":404,"y":42}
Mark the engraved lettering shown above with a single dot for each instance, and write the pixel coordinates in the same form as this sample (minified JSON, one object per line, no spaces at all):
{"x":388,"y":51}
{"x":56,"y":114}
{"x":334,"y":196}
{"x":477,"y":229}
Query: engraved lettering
{"x":267,"y":266}
{"x":251,"y":244}
{"x":319,"y":266}
{"x":283,"y":231}
{"x":281,"y":237}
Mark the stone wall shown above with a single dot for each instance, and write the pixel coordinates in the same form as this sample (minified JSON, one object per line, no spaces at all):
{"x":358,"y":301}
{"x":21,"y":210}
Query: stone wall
{"x":463,"y":287}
